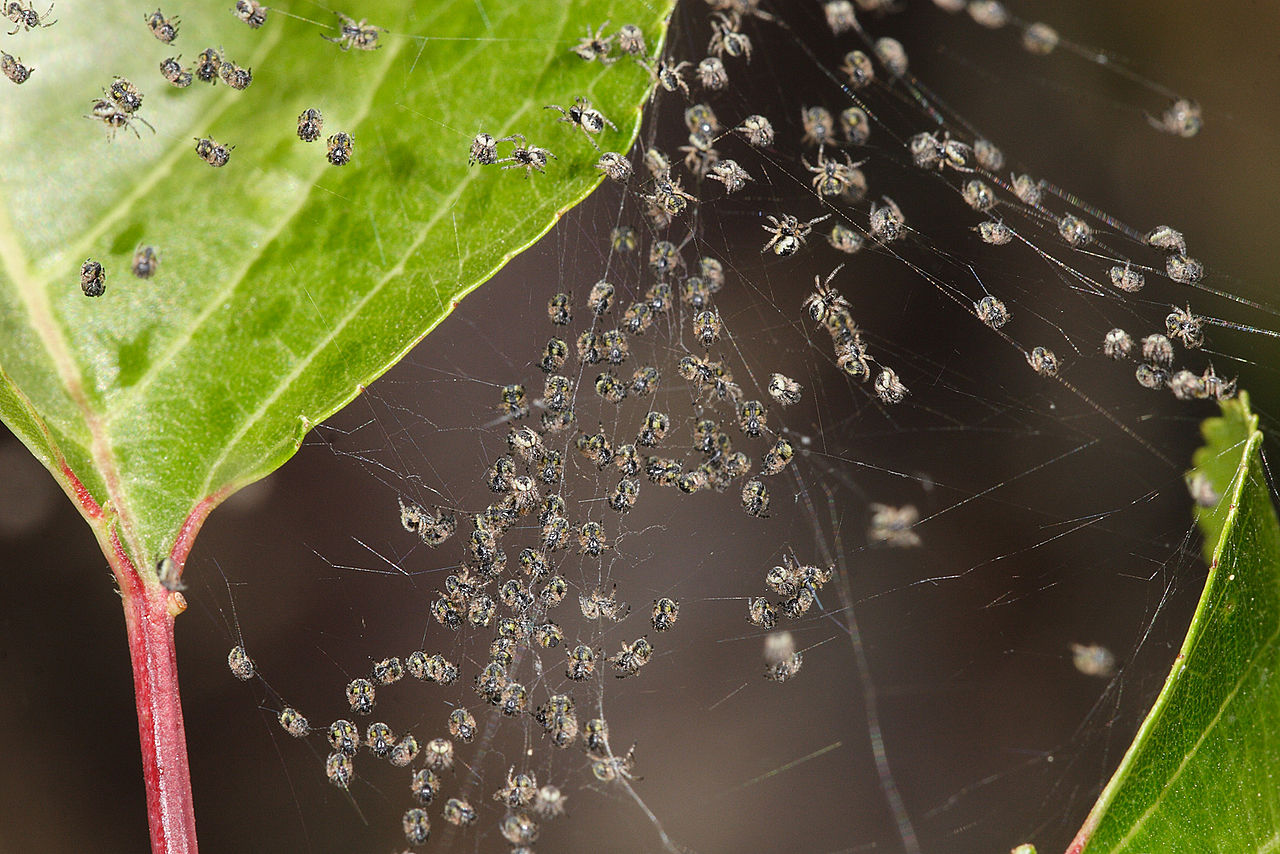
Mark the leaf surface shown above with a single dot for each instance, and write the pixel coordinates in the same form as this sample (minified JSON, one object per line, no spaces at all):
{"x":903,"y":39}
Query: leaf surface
{"x":285,"y":284}
{"x":1203,"y":773}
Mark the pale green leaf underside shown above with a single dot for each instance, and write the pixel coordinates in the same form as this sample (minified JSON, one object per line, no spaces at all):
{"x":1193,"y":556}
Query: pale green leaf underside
{"x":285,"y":284}
{"x":1204,"y":772}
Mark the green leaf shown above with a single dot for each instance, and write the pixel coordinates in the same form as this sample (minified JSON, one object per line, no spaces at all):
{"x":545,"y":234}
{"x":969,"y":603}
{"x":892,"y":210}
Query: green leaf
{"x":1202,"y":773}
{"x":285,"y":284}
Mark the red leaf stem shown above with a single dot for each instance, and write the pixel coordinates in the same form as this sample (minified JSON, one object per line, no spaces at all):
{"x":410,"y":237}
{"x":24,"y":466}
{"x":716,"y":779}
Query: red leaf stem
{"x":149,"y":612}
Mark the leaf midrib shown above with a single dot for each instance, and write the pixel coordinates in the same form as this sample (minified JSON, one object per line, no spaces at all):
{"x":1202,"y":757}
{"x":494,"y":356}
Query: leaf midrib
{"x":35,"y":299}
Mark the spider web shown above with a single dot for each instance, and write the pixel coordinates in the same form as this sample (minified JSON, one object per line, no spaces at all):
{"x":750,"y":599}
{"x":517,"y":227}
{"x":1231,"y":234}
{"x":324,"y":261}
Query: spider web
{"x":937,"y":704}
{"x":937,"y":707}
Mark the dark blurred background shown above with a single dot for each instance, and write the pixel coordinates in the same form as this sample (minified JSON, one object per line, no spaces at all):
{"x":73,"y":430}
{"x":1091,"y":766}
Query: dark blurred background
{"x":991,"y":735}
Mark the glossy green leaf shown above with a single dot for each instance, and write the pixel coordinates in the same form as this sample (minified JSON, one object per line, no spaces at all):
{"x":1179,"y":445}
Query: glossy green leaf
{"x":1203,"y":773}
{"x":285,"y":284}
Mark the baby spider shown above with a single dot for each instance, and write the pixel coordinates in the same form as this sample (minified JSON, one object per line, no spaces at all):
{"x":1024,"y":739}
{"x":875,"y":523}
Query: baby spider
{"x":762,"y":613}
{"x":631,"y":657}
{"x":207,"y":66}
{"x":825,"y":299}
{"x":585,"y":117}
{"x":858,"y":68}
{"x":213,"y":153}
{"x":757,"y":130}
{"x":712,"y":75}
{"x":1181,"y":118}
{"x":340,"y":145}
{"x":755,"y":498}
{"x":173,"y":71}
{"x":668,"y":195}
{"x":25,"y":17}
{"x":1184,"y":270}
{"x":1027,"y":189}
{"x":631,"y":40}
{"x":310,"y":123}
{"x":699,"y":155}
{"x":856,"y":125}
{"x":1158,"y":350}
{"x":1127,"y":279}
{"x":519,"y":790}
{"x":892,"y":54}
{"x":360,"y":35}
{"x":726,"y":38}
{"x":701,"y":119}
{"x":145,"y":261}
{"x":729,"y":173}
{"x":844,"y":239}
{"x":93,"y":280}
{"x":1043,"y":361}
{"x":124,"y":95}
{"x":889,"y":388}
{"x":416,"y":826}
{"x":887,"y":223}
{"x":665,"y":613}
{"x":788,"y":234}
{"x":596,"y":46}
{"x":1116,"y":344}
{"x":484,"y":149}
{"x":656,"y":162}
{"x":991,"y":311}
{"x":784,"y":389}
{"x":669,"y":77}
{"x":616,"y":166}
{"x":891,"y":526}
{"x":1216,"y":387}
{"x":293,"y":723}
{"x":1186,"y":327}
{"x":115,"y":118}
{"x":610,"y":768}
{"x":165,"y":29}
{"x":989,"y":13}
{"x":235,"y":76}
{"x":582,"y":663}
{"x":989,"y":157}
{"x":777,"y":457}
{"x":549,"y":802}
{"x":819,"y":126}
{"x":832,"y":178}
{"x":528,"y":157}
{"x":1167,"y":239}
{"x":1074,"y":230}
{"x":840,"y":16}
{"x":458,"y":812}
{"x":995,"y":232}
{"x":338,"y":769}
{"x":251,"y":12}
{"x":978,"y":195}
{"x":14,"y":69}
{"x":932,"y":152}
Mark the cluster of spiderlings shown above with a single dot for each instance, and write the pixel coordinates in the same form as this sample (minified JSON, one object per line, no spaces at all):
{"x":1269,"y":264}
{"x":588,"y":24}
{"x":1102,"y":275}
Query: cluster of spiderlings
{"x":338,"y":146}
{"x":828,"y":307}
{"x":514,"y":601}
{"x":93,"y":276}
{"x":797,"y":585}
{"x":530,"y":158}
{"x":512,"y":585}
{"x":119,"y":106}
{"x":1156,"y":353}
